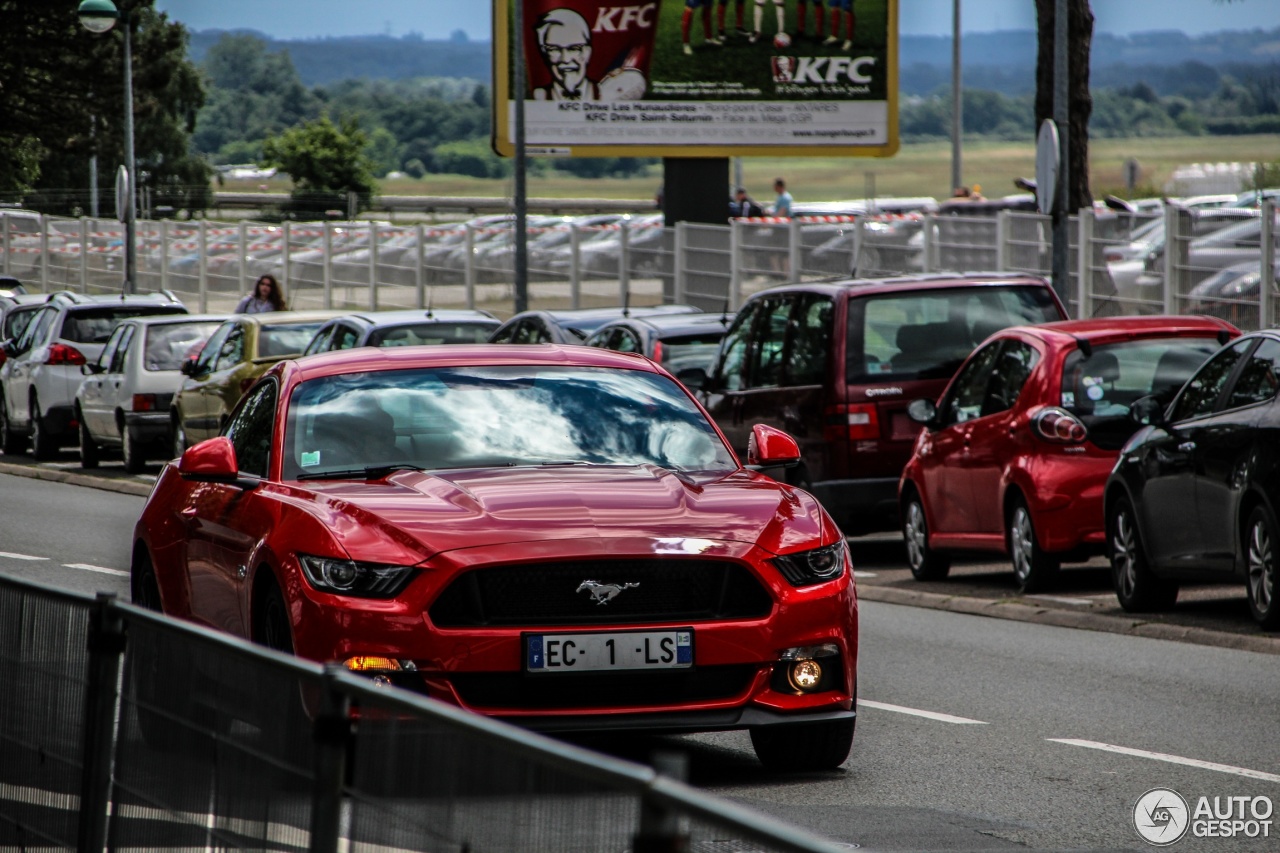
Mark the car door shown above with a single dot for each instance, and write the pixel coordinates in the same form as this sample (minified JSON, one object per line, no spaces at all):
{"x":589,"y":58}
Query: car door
{"x":344,"y":337}
{"x":190,"y":402}
{"x":993,"y":437}
{"x":113,"y":382}
{"x":226,"y":522}
{"x":17,"y":383}
{"x":763,"y":399}
{"x":722,"y":395}
{"x":1224,"y":446}
{"x":1167,"y":505}
{"x":214,"y":390}
{"x":946,"y":463}
{"x":92,"y":397}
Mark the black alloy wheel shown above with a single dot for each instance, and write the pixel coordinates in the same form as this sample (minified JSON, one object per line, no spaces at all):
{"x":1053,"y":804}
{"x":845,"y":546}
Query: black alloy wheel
{"x":1260,"y":562}
{"x":1137,"y":588}
{"x":43,"y":445}
{"x":10,"y":441}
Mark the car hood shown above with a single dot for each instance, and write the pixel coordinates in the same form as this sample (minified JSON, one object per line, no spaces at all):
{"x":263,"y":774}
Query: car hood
{"x":423,"y":514}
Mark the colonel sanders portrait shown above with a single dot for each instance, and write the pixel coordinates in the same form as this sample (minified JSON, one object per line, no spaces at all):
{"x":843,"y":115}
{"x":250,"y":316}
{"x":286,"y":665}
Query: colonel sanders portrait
{"x":564,"y":42}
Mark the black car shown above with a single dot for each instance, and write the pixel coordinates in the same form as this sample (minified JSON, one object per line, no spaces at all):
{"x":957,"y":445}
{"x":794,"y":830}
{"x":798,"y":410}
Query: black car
{"x":570,"y":325}
{"x":685,"y":344}
{"x":1193,"y":497}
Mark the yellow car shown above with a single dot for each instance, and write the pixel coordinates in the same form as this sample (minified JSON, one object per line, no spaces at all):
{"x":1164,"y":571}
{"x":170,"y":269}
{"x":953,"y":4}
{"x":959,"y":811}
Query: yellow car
{"x":232,"y":359}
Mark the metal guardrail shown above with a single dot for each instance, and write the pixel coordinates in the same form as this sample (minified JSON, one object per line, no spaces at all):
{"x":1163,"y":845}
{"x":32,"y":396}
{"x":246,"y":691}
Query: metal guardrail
{"x":121,"y":728}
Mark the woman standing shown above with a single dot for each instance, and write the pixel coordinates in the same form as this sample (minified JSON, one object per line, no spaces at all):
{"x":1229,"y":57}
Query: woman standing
{"x":266,"y":297}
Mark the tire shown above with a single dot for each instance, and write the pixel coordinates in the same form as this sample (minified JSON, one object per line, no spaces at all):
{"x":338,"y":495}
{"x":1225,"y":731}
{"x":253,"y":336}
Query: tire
{"x":926,"y":564}
{"x":1260,"y":547}
{"x":1033,"y":568}
{"x":272,"y":621}
{"x":135,"y":456}
{"x":1137,"y":588}
{"x":804,"y":746}
{"x":89,"y":455}
{"x":10,"y":441}
{"x":43,"y":445}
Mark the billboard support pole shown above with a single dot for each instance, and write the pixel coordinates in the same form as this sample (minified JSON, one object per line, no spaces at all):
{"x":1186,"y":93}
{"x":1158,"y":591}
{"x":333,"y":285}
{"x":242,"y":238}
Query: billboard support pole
{"x":695,"y":189}
{"x":521,"y":199}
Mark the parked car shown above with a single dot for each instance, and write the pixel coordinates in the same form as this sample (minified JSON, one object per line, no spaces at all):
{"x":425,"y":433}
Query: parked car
{"x":836,"y":363}
{"x":403,"y":328}
{"x":39,"y":379}
{"x":124,"y":399}
{"x":555,"y":535}
{"x":684,"y":344}
{"x":571,"y":325}
{"x":1014,"y":455}
{"x":232,"y":359}
{"x":17,"y":307}
{"x":1193,"y":497}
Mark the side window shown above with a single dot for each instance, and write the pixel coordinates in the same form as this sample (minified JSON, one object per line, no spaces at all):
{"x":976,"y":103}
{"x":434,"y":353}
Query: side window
{"x":231,"y":351}
{"x":627,"y":341}
{"x":1260,"y":377}
{"x":34,"y":333}
{"x":810,"y":340}
{"x":503,"y":336}
{"x":250,"y":429}
{"x":320,"y":343}
{"x":770,"y":344}
{"x":599,"y":340}
{"x":969,"y":391}
{"x":209,"y":352}
{"x":1202,"y":392}
{"x":117,"y":360}
{"x":344,"y":337}
{"x":732,"y":367}
{"x":110,"y":348}
{"x":529,"y":332}
{"x":1012,"y":370}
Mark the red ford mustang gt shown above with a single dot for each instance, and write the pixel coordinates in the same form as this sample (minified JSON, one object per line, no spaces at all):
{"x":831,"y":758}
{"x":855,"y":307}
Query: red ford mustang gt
{"x":558,"y":536}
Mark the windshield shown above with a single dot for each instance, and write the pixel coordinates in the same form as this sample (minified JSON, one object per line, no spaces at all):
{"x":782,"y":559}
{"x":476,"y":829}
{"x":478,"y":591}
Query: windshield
{"x":94,"y":325}
{"x":1099,"y":388}
{"x":433,"y":333}
{"x":928,"y":334}
{"x":167,"y":344}
{"x":281,"y":341}
{"x":480,"y":417}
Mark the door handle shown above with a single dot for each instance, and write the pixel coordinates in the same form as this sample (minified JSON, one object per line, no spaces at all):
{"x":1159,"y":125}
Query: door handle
{"x":1187,"y":446}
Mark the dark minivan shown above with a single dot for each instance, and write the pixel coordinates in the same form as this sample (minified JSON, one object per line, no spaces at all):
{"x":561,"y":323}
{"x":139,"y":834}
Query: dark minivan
{"x":836,"y":363}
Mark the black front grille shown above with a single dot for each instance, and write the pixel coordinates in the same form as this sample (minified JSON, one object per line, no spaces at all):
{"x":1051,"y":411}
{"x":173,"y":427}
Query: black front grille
{"x":516,"y":690}
{"x":673,"y":590}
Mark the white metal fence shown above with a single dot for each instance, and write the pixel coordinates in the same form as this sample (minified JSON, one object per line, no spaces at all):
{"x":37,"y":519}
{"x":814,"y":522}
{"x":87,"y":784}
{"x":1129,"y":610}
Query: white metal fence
{"x":1116,"y":267}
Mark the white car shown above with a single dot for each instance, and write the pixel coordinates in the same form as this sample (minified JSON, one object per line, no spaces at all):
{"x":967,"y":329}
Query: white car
{"x":41,"y":373}
{"x":123,"y":401}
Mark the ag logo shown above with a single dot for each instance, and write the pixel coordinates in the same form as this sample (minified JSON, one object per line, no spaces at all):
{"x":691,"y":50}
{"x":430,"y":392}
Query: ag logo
{"x":1161,"y":816}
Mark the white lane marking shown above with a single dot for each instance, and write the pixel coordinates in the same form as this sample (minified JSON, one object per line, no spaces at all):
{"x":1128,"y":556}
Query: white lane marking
{"x":1171,"y":759}
{"x":9,"y":555}
{"x":916,"y":712}
{"x":87,"y":567}
{"x":1078,"y":602}
{"x":858,"y":574}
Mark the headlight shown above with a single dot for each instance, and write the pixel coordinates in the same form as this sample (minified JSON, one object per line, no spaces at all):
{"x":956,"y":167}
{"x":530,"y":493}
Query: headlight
{"x":807,"y":568}
{"x":347,"y":577}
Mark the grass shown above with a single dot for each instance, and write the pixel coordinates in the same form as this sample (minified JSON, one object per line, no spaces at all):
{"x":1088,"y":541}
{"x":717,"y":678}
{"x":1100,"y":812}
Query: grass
{"x":922,"y":169}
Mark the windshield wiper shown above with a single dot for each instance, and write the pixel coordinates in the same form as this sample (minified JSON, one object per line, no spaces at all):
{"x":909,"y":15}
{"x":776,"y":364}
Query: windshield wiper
{"x":373,"y":472}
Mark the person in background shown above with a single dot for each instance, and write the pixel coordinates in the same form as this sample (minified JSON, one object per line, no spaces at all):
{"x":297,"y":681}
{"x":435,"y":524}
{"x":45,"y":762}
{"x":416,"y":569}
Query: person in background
{"x":782,"y":204}
{"x":266,"y":297}
{"x":743,"y":205}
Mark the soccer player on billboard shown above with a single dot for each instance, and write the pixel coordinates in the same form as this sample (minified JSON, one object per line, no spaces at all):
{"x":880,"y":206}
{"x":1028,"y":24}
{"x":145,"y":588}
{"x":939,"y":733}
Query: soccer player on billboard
{"x":801,"y":10}
{"x":738,"y":7}
{"x":841,"y":9}
{"x":707,"y":37}
{"x":759,"y":19}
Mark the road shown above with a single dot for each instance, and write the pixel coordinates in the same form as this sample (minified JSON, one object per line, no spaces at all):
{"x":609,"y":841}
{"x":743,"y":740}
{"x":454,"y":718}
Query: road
{"x":974,"y":733}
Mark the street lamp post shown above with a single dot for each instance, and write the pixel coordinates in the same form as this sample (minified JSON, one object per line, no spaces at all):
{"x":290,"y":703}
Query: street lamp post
{"x":99,"y":16}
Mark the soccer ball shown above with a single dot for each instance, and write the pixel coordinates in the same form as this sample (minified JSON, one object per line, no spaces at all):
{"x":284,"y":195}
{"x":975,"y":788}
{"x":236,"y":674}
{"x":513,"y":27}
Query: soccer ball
{"x":782,"y":41}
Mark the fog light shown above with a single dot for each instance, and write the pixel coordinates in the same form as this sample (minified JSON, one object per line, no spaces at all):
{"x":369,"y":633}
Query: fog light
{"x":381,"y":681}
{"x":805,"y":675}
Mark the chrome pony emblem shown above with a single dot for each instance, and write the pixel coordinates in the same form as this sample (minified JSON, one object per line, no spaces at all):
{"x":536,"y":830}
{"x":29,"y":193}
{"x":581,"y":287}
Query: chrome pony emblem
{"x":603,"y":593}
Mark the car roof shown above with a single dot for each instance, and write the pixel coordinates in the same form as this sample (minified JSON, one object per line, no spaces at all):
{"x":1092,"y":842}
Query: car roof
{"x":275,"y":318}
{"x":1102,"y":330}
{"x":73,"y":300}
{"x":671,"y":323}
{"x":421,"y":315}
{"x":170,"y":319}
{"x":903,"y":284}
{"x":337,"y":362}
{"x":595,"y":313}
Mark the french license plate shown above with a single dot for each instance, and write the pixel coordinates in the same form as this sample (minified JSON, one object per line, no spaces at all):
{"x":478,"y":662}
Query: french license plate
{"x":600,"y":651}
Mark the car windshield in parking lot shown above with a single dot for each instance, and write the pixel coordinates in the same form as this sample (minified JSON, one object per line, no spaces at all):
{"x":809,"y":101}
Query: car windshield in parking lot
{"x":500,"y":416}
{"x":928,"y":334}
{"x":431,"y":333}
{"x":167,"y":344}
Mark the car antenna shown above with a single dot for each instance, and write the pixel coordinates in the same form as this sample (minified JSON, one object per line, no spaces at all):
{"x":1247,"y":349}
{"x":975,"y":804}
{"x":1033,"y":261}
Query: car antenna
{"x":724,"y":313}
{"x":430,"y":296}
{"x":626,"y":302}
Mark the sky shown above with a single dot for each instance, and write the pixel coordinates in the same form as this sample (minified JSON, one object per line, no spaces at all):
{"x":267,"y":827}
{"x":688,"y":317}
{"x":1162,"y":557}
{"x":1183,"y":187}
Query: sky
{"x":434,"y":19}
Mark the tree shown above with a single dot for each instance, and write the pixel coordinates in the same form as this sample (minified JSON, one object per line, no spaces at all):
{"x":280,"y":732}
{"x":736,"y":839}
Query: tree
{"x":62,"y":98}
{"x":325,"y":160}
{"x":1079,"y":100}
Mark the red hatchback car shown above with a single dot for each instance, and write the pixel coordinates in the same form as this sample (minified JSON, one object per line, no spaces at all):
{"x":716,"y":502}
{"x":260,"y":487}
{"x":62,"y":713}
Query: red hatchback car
{"x":554,"y":535}
{"x":1014,"y":456}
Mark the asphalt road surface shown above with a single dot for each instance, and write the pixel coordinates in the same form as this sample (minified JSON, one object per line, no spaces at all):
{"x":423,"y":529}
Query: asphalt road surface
{"x":973,"y":733}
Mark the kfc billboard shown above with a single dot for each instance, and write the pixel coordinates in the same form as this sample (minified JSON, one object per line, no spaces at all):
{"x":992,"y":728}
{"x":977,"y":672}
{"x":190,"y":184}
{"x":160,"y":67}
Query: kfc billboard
{"x":700,"y":78}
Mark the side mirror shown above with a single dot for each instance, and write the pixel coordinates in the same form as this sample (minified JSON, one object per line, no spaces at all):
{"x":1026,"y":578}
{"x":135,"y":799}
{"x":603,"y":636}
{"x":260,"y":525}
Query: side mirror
{"x":1147,"y":411}
{"x":693,"y":378}
{"x":769,"y":447}
{"x":9,"y":346}
{"x":188,"y":367}
{"x":213,"y":461}
{"x":923,"y":412}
